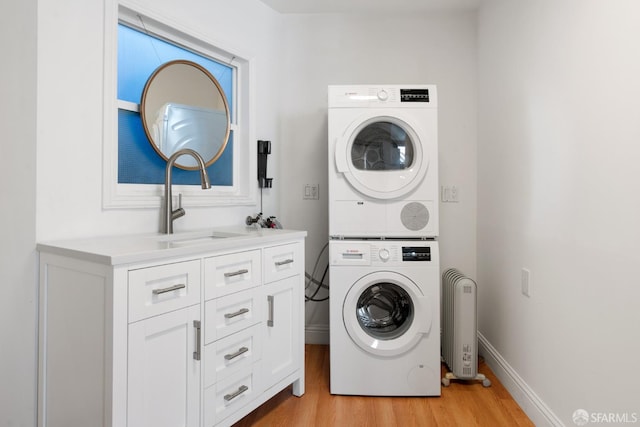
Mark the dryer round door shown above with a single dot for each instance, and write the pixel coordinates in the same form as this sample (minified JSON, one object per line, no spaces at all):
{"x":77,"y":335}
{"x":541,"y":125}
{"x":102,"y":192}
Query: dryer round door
{"x":382,"y":156}
{"x":386,"y":314}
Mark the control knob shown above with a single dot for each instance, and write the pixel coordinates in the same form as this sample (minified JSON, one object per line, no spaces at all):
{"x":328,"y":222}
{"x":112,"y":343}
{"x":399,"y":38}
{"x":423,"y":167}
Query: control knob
{"x":383,"y":95}
{"x":384,"y":254}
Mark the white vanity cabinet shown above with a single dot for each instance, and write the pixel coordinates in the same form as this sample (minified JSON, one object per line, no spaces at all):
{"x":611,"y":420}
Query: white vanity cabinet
{"x":154,"y":334}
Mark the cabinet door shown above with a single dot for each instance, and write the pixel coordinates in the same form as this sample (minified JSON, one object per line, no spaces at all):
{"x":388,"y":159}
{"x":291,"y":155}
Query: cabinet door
{"x":163,"y":373}
{"x":281,"y":351}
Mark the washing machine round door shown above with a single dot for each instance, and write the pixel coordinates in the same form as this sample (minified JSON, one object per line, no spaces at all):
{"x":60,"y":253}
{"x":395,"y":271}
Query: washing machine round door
{"x":386,"y":314}
{"x":381,"y":156}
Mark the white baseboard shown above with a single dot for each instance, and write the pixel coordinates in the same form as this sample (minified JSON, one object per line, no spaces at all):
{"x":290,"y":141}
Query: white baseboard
{"x":316,"y":334}
{"x":539,"y":413}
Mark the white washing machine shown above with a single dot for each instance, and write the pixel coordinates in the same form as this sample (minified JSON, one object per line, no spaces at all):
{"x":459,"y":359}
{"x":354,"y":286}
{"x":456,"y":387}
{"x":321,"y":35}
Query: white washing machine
{"x":383,"y":161}
{"x":384,"y":311}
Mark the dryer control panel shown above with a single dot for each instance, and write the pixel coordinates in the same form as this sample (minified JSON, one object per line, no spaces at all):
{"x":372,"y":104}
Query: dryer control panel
{"x":383,"y":96}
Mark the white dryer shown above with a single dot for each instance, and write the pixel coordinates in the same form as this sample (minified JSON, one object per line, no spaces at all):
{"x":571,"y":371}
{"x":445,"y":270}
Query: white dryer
{"x":384,"y":311}
{"x":383,"y":161}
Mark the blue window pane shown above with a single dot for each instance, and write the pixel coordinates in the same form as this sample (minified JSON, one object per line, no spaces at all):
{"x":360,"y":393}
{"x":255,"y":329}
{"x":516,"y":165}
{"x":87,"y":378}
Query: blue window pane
{"x":138,"y":163}
{"x":139,"y":55}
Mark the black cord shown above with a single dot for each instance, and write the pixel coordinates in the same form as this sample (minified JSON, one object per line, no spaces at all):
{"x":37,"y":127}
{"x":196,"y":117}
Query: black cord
{"x":315,"y":282}
{"x":320,"y":285}
{"x":312,"y":279}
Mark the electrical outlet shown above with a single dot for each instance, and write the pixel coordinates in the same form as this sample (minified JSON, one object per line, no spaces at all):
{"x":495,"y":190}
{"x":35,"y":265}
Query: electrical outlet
{"x":311,"y":192}
{"x":525,"y":282}
{"x":455,"y":194}
{"x":444,"y":193}
{"x":450,"y":194}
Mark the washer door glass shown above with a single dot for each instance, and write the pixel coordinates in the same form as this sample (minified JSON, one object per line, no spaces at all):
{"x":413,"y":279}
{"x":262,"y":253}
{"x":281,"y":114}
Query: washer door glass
{"x":385,"y":311}
{"x":382,"y":146}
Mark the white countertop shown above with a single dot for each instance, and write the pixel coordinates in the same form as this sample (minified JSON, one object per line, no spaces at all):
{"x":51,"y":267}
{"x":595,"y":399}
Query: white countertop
{"x":126,"y":249}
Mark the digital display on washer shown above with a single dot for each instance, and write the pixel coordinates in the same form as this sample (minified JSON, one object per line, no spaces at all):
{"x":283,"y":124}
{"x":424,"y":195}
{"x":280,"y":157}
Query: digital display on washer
{"x":411,"y":253}
{"x":414,"y":95}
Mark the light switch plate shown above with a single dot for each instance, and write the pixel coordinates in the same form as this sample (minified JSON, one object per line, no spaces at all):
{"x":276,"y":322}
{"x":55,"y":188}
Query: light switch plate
{"x":311,"y":192}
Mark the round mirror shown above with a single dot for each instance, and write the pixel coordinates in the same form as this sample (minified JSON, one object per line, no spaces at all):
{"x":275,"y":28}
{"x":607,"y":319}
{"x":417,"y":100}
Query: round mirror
{"x":183,"y":106}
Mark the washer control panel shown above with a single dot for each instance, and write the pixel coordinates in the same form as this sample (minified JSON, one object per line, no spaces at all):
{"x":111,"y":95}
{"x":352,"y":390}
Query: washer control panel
{"x":413,"y":253}
{"x":384,"y":253}
{"x":383,"y":95}
{"x":380,"y":252}
{"x":414,"y":95}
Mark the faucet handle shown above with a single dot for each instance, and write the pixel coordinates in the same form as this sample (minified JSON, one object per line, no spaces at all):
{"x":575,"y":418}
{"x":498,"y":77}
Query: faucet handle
{"x":178,"y":212}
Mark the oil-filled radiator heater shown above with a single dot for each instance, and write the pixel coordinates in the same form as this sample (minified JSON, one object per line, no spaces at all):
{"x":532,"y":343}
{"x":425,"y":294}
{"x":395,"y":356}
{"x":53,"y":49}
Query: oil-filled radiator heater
{"x":460,"y":328}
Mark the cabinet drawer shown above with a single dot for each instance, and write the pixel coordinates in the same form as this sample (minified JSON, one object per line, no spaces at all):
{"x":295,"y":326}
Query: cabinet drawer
{"x":230,"y":314}
{"x":226,"y":274}
{"x":230,"y":395}
{"x":231,"y":355}
{"x":163,"y":288}
{"x":282,"y":261}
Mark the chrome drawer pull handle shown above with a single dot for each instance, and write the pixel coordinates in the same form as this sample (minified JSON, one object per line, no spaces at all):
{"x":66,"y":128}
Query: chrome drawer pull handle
{"x":169,"y":289}
{"x":240,"y":351}
{"x":286,"y":261}
{"x":237,"y":313}
{"x":229,"y":397}
{"x":236,"y":273}
{"x":270,"y":301}
{"x":197,"y":327}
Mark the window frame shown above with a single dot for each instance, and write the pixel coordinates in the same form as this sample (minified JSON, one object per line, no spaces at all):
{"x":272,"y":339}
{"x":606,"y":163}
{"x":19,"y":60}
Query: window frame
{"x":119,"y":196}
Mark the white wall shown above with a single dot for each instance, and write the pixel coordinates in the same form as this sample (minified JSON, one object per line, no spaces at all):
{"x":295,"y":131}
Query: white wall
{"x":17,"y":215}
{"x":324,"y":49}
{"x":559,"y":194}
{"x":70,"y":107}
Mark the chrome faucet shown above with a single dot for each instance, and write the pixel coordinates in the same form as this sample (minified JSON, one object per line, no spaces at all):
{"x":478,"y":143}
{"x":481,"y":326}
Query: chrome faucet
{"x":169,"y":214}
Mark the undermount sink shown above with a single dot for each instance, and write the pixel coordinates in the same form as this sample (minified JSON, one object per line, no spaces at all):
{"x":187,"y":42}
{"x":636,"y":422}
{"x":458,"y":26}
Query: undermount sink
{"x":194,"y":238}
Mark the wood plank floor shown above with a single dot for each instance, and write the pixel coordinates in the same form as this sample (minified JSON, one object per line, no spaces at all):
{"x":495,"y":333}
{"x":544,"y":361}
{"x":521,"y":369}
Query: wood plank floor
{"x":461,"y":404}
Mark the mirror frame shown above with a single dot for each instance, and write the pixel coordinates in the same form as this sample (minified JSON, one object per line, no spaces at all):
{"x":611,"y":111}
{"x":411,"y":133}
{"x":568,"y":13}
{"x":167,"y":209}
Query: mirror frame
{"x":143,"y":105}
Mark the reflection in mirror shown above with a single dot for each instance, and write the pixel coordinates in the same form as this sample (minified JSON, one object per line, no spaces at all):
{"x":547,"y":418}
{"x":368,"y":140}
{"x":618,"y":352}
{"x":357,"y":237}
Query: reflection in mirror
{"x":183,"y":106}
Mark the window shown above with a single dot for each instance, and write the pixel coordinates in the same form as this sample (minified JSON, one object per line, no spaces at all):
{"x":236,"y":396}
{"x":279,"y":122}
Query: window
{"x":139,"y":54}
{"x":133,"y":171}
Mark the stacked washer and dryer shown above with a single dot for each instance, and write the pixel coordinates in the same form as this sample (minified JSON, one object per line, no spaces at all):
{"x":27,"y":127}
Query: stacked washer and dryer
{"x":384,"y":308}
